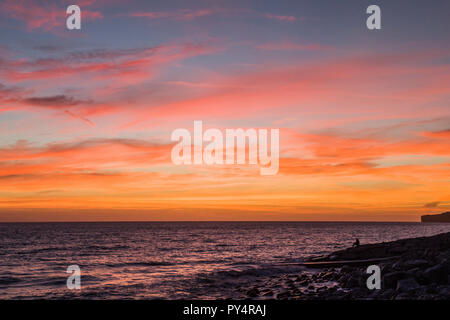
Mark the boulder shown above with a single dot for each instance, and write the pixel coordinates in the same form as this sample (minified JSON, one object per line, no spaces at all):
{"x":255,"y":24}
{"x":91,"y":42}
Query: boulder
{"x":268,"y":293}
{"x":304,"y":283}
{"x":390,"y":279}
{"x":415,"y":272}
{"x":402,"y":296}
{"x":445,"y":292}
{"x":254,"y":292}
{"x":328,"y":276}
{"x":386,"y":294}
{"x":396,"y":249}
{"x":436,"y":274}
{"x":417,"y":263}
{"x":352,"y":282}
{"x":283,"y":295}
{"x":407,"y":285}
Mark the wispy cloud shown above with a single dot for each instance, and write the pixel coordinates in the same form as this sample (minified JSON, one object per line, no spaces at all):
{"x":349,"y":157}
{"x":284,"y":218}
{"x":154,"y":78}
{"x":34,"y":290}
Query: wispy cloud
{"x":53,"y":101}
{"x":128,"y":64}
{"x":45,"y":16}
{"x":182,"y":14}
{"x":287,"y":45}
{"x":434,"y":204}
{"x":443,"y":134}
{"x":107,"y":70}
{"x":283,"y":18}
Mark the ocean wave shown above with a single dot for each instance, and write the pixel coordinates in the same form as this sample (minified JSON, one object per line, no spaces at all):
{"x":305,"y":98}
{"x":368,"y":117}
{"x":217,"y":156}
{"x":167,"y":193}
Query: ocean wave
{"x":256,"y":271}
{"x":9,"y":280}
{"x":99,"y":247}
{"x":141,"y":264}
{"x":45,"y":249}
{"x":225,"y":245}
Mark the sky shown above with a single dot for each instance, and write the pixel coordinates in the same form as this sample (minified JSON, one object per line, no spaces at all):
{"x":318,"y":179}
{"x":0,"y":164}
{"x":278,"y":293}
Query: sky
{"x":86,"y":115}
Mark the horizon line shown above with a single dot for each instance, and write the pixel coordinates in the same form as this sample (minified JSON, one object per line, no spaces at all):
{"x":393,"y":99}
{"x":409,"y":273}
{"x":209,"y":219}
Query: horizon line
{"x":196,"y":221}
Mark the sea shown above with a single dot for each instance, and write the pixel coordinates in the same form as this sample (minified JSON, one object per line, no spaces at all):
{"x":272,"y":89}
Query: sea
{"x":171,"y":260}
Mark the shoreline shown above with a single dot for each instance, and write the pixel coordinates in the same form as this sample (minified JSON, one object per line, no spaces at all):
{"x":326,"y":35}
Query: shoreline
{"x":411,"y":269}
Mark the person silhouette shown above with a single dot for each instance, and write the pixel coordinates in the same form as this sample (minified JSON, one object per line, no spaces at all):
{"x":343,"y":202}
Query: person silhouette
{"x":356,"y":243}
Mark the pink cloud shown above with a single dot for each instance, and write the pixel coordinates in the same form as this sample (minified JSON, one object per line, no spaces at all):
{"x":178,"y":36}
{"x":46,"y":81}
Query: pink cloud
{"x":129,"y":65}
{"x":286,"y":45}
{"x":109,"y":71}
{"x":280,"y":17}
{"x":349,"y":87}
{"x":47,"y":16}
{"x":183,"y":14}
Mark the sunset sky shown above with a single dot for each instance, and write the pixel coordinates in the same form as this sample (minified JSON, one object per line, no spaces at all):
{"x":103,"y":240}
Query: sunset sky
{"x":86,"y":115}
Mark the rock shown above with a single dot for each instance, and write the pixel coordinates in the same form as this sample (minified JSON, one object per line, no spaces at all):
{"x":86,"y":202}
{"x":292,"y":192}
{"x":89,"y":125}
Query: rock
{"x":390,"y":279}
{"x":296,"y":291}
{"x":398,"y":266}
{"x":416,"y":273}
{"x":386,"y":294}
{"x":328,"y":276}
{"x":431,"y":289}
{"x":346,"y":269}
{"x":417,"y":263}
{"x":333,"y":257}
{"x":386,"y":268}
{"x":352,"y":282}
{"x":359,"y":293}
{"x":407,"y":285}
{"x":396,"y":249}
{"x":445,"y":262}
{"x":268,"y":293}
{"x":437,"y":274}
{"x":402,"y":296}
{"x":254,"y":292}
{"x":302,"y":277}
{"x":292,"y":286}
{"x":283,"y":295}
{"x":445,"y":292}
{"x":375,"y":293}
{"x":303,"y":283}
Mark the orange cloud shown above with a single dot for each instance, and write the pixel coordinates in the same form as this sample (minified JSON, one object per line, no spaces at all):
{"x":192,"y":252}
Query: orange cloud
{"x":444,"y":134}
{"x":389,"y":105}
{"x":350,"y":85}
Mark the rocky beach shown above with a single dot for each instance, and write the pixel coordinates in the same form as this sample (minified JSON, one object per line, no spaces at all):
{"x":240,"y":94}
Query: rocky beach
{"x":411,"y":269}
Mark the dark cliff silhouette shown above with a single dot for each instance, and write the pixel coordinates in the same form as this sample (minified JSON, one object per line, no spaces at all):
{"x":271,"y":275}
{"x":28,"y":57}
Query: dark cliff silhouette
{"x":443,"y":217}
